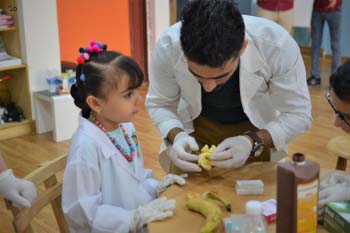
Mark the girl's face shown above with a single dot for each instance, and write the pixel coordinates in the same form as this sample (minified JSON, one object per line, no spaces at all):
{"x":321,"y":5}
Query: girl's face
{"x":120,"y":105}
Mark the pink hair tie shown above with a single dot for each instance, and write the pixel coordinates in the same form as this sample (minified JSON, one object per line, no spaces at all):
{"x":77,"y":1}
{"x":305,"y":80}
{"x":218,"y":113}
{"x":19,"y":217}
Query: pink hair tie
{"x":85,"y":53}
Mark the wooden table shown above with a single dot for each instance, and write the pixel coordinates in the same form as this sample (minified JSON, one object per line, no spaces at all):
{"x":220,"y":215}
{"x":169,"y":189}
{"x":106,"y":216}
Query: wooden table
{"x":223,"y":182}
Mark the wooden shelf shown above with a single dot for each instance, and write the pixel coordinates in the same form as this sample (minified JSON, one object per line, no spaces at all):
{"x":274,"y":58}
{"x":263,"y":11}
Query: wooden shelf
{"x":16,"y":129}
{"x":16,"y":89}
{"x":8,"y":29}
{"x":15,"y":67}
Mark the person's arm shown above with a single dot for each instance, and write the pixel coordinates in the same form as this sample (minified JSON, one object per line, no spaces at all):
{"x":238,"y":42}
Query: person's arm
{"x":83,"y":206}
{"x":289,"y":93}
{"x":164,"y":92}
{"x":82,"y":202}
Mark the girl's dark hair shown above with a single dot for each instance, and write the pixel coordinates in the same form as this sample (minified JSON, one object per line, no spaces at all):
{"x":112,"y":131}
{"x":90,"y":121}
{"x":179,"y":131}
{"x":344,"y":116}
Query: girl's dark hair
{"x":100,"y":72}
{"x":212,"y":31}
{"x":340,"y":82}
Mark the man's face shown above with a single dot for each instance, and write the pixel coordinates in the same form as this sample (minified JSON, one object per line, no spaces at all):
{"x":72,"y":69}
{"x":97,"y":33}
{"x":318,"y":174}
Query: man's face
{"x":212,"y":78}
{"x":342,"y":110}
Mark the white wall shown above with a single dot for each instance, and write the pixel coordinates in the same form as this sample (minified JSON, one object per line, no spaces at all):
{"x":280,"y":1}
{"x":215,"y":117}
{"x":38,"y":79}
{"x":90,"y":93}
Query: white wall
{"x":158,"y":19}
{"x":162,"y":16}
{"x":39,"y":40}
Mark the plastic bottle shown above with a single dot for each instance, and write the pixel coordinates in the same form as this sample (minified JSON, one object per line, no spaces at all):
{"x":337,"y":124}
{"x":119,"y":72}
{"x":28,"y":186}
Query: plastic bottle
{"x":297,"y":195}
{"x":254,"y":222}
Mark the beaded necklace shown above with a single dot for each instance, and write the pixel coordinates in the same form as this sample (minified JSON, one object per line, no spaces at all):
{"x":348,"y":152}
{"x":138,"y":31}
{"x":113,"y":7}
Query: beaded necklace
{"x":128,"y":157}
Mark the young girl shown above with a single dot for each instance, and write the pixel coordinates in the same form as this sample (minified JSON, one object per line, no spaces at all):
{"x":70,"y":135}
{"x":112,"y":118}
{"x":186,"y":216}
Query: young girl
{"x":105,"y":187}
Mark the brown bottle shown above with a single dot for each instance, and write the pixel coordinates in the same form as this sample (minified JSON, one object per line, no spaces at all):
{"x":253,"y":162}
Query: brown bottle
{"x":297,"y":195}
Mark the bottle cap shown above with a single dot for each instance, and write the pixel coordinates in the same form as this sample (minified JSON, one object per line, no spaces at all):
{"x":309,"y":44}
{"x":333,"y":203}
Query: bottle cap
{"x":299,"y":159}
{"x":253,"y":208}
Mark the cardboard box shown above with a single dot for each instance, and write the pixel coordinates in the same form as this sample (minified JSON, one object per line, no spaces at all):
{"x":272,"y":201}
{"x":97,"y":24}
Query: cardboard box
{"x":337,"y":217}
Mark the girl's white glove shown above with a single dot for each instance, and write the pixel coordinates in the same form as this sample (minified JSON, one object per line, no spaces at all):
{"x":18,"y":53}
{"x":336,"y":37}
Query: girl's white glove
{"x":20,"y":192}
{"x":157,"y":209}
{"x":169,"y":180}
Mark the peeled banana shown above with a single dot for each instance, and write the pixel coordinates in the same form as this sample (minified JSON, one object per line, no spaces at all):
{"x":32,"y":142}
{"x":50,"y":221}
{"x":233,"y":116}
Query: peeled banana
{"x":211,"y":211}
{"x":204,"y":157}
{"x":214,"y":196}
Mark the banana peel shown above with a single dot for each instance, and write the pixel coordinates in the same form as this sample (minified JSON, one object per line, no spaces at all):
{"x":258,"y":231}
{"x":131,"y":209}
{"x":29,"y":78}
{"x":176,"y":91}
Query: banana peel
{"x":210,"y":210}
{"x":214,"y":196}
{"x":204,"y":157}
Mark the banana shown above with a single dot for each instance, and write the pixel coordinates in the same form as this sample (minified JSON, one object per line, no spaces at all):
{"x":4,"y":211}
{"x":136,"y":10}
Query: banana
{"x":215,"y":196}
{"x":211,"y":211}
{"x":204,"y":157}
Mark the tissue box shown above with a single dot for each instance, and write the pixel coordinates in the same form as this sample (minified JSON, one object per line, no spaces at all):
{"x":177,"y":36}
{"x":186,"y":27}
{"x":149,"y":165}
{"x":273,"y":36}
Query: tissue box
{"x":337,"y":217}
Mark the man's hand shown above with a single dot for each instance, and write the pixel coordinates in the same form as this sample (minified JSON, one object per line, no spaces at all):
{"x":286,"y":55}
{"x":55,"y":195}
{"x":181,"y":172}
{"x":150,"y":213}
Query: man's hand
{"x":180,"y":153}
{"x":232,"y":152}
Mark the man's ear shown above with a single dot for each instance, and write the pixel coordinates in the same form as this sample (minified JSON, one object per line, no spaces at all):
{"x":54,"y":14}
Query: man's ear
{"x":94,"y":103}
{"x":245,"y":44}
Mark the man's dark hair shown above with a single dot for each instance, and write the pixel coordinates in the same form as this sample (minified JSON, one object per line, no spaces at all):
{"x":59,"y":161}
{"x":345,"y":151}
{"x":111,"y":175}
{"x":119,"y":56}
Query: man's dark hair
{"x":212,"y":31}
{"x":340,"y":82}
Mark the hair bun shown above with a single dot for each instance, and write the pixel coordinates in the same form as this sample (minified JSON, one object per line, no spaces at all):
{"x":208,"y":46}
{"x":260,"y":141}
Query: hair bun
{"x":78,"y":101}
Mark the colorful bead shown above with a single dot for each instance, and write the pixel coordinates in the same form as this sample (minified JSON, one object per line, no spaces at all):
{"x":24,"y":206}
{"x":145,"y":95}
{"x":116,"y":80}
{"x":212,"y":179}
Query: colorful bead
{"x":128,"y":157}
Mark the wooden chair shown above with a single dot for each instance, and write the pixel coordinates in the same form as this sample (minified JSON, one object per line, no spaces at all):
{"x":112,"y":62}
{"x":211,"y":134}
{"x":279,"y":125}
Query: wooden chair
{"x":45,"y":174}
{"x":340,"y":147}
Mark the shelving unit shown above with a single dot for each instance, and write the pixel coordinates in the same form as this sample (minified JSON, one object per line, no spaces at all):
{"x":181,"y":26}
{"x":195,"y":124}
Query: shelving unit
{"x":16,"y":88}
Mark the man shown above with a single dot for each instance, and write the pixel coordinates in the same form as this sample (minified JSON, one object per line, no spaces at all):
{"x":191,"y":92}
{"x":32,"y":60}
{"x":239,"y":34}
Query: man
{"x":20,"y":192}
{"x":325,"y":11}
{"x":336,"y":187}
{"x":221,"y":79}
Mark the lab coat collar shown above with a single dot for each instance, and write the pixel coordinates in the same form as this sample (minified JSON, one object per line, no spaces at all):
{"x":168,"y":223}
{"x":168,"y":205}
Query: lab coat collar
{"x":107,"y":148}
{"x":98,"y":136}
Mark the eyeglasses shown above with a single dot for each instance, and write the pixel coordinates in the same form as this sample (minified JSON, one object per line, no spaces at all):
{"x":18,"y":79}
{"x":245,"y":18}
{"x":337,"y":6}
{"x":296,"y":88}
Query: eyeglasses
{"x":339,"y":114}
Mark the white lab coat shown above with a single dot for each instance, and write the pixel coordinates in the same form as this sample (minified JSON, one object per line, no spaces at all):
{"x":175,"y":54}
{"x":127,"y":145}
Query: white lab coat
{"x":100,"y":190}
{"x":273,"y":87}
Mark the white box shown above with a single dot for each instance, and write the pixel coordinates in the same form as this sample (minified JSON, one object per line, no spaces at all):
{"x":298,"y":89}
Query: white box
{"x":57,"y":113}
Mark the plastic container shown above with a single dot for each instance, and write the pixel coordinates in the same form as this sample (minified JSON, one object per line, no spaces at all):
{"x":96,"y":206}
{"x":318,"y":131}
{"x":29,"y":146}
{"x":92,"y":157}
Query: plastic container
{"x":254,"y":221}
{"x":297,"y":195}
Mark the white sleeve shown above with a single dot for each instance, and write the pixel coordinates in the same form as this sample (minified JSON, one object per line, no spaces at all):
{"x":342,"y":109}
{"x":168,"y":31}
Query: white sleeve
{"x":151,"y":184}
{"x":289,"y":95}
{"x":82,"y":202}
{"x":164,"y":92}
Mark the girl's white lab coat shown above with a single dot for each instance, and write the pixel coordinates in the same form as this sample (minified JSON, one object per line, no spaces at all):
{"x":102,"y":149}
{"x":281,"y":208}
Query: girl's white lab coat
{"x":100,"y":190}
{"x":273,"y":87}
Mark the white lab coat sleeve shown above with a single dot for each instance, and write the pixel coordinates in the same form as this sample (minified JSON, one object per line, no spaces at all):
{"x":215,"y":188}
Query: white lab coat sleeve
{"x":82,"y":202}
{"x":164,"y":92}
{"x":289,"y":94}
{"x":151,"y":183}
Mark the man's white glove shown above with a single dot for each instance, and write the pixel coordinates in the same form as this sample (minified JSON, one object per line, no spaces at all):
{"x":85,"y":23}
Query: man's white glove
{"x":232,"y":152}
{"x":21,"y":192}
{"x":180,"y":153}
{"x":157,"y":209}
{"x":335,"y":178}
{"x":169,"y":180}
{"x":332,"y":193}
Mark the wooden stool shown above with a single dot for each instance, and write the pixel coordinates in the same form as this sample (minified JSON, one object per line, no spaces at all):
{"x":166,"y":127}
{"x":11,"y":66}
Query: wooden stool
{"x":340,"y":147}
